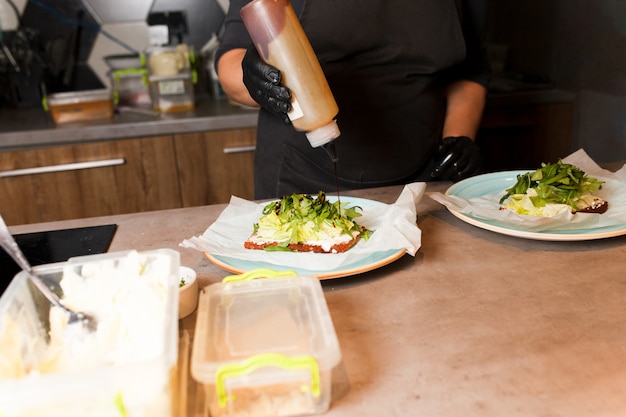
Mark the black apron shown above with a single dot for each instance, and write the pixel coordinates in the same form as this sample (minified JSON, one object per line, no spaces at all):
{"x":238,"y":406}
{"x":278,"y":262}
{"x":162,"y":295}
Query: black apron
{"x":385,"y":72}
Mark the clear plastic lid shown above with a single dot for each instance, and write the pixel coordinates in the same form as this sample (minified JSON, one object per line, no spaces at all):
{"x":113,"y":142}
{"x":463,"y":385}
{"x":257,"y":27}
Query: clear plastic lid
{"x":74,"y":97}
{"x":238,"y":320}
{"x":324,"y":134}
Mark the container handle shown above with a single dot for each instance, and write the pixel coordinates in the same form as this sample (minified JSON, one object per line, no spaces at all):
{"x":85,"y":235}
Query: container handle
{"x":258,"y":273}
{"x":255,"y":362}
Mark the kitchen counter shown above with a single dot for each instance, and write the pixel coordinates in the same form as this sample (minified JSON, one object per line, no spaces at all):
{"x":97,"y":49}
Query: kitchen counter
{"x":476,"y":324}
{"x":33,"y":127}
{"x":20,"y":128}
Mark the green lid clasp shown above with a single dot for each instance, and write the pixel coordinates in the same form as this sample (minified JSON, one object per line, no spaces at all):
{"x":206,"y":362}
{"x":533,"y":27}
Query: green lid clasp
{"x":258,"y":273}
{"x":255,"y":362}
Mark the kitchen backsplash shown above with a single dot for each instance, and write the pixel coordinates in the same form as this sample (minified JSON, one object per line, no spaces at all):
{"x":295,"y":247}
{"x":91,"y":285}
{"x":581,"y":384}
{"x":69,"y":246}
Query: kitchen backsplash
{"x":61,"y":43}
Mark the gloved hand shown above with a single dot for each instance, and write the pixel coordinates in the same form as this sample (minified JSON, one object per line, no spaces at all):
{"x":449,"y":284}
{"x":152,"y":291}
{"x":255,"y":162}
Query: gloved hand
{"x":456,"y":158}
{"x":263,"y":82}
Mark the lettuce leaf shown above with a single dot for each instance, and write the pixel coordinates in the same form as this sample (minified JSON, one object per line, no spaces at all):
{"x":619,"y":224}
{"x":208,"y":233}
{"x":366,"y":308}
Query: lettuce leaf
{"x":298,"y":218}
{"x":554,"y":183}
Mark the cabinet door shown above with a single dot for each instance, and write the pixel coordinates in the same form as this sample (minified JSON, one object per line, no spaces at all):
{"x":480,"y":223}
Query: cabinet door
{"x":215,"y":165}
{"x":89,"y":179}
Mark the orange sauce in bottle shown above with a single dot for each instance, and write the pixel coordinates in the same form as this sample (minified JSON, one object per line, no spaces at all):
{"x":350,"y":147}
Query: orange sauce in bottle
{"x":280,"y":39}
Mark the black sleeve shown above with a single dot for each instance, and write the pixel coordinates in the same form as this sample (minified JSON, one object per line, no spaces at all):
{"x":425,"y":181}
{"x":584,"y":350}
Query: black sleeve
{"x":475,"y":67}
{"x":235,"y":34}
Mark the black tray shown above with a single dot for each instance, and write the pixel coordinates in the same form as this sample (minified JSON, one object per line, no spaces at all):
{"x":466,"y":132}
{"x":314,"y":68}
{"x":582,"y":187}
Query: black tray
{"x":56,"y":246}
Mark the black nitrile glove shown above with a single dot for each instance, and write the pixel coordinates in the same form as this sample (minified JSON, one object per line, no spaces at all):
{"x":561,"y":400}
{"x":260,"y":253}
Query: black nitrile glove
{"x":456,"y":158}
{"x":263,"y":83}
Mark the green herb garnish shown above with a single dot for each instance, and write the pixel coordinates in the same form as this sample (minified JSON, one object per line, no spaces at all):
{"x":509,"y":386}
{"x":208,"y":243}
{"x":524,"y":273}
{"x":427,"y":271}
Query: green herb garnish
{"x":555,"y":183}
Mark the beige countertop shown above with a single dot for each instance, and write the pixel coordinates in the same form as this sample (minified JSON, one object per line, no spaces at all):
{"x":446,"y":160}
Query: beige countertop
{"x":476,"y":324}
{"x":20,"y":128}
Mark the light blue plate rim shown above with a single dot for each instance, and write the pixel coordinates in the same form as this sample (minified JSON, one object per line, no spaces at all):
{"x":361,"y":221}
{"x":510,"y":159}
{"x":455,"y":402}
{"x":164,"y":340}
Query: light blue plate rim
{"x":498,"y":182}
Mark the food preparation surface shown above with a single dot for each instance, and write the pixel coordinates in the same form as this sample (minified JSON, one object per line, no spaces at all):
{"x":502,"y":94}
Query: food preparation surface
{"x":476,"y":324}
{"x":21,"y":128}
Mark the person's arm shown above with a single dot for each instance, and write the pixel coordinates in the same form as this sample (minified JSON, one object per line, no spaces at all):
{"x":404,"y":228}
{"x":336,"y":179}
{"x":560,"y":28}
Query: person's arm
{"x":457,"y":156}
{"x":230,"y":75}
{"x":466,"y":102}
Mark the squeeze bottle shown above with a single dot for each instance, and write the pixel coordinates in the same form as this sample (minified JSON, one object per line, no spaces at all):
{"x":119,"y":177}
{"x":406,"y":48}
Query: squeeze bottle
{"x":280,"y":40}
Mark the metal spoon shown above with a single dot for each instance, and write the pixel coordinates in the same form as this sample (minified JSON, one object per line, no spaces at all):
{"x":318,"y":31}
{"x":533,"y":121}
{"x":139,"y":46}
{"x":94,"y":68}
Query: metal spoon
{"x":9,"y":244}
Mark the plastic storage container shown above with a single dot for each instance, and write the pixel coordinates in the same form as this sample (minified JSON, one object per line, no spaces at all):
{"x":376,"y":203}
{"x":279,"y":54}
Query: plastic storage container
{"x":138,"y":388}
{"x":171,"y":77}
{"x":80,"y":106}
{"x":172,"y":93}
{"x":130,"y":87}
{"x":167,"y":61}
{"x":265,"y":347}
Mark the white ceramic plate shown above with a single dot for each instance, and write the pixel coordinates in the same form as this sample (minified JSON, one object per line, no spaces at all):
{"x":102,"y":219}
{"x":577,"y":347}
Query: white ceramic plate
{"x":367,"y":262}
{"x":497,"y":182}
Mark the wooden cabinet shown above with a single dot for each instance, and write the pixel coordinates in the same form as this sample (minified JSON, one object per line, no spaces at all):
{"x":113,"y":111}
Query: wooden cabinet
{"x":126,"y":176}
{"x":213,"y":166}
{"x":86,"y":180}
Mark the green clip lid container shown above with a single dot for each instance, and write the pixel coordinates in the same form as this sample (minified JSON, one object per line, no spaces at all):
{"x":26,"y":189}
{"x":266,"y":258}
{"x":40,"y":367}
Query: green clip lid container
{"x":265,"y":347}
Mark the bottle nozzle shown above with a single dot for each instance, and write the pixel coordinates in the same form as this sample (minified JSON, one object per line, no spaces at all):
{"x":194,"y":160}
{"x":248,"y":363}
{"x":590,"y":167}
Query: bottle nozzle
{"x":331,"y":151}
{"x":323,"y":135}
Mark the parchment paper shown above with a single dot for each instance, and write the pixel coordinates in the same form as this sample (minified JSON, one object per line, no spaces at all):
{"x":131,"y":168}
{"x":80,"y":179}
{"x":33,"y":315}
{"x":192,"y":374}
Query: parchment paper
{"x":394,"y":227}
{"x":613,"y":191}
